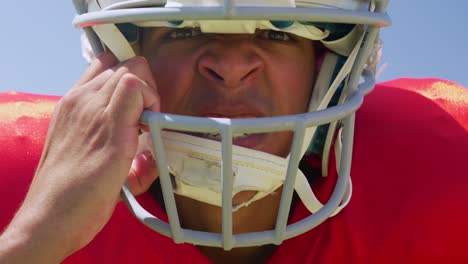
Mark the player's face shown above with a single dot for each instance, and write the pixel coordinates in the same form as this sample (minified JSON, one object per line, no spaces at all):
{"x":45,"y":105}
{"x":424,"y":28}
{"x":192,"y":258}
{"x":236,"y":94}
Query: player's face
{"x":232,"y":75}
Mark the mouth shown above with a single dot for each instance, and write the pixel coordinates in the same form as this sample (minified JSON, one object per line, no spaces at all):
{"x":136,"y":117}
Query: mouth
{"x":246,"y":140}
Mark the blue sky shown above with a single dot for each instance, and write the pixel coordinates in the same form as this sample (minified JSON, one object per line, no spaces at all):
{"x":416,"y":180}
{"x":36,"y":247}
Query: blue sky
{"x":40,"y":49}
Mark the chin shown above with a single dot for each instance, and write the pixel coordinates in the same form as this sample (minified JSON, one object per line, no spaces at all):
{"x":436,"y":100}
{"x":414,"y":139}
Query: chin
{"x":278,"y":144}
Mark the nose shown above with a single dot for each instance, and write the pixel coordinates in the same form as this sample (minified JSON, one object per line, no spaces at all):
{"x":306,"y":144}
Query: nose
{"x":231,"y":60}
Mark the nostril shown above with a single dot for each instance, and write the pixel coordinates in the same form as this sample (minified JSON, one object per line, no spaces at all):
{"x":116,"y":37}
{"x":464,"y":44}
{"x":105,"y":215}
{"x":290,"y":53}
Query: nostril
{"x":229,"y":69}
{"x":250,"y":73}
{"x":214,"y":74}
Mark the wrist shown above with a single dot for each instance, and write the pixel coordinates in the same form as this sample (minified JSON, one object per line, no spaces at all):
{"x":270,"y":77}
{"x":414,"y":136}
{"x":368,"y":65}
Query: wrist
{"x":16,"y":247}
{"x":20,"y":244}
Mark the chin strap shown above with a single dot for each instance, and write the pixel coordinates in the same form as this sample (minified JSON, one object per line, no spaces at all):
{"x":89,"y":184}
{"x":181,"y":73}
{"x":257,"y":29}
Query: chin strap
{"x":306,"y":194}
{"x":196,"y":165}
{"x":115,"y":41}
{"x":325,"y":100}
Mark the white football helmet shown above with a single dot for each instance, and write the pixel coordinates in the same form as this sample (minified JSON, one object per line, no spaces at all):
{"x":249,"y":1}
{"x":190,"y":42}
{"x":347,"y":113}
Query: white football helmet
{"x":212,"y":171}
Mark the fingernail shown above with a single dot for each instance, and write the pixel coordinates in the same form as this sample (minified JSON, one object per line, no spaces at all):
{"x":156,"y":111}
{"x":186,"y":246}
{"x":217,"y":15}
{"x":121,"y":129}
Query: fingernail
{"x":146,"y":155}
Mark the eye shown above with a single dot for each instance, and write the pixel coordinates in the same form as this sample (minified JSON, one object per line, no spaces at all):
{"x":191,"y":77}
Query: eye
{"x":275,"y":35}
{"x":184,"y":33}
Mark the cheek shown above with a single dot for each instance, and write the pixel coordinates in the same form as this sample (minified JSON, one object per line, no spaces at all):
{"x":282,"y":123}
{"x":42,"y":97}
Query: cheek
{"x":294,"y":81}
{"x":173,"y":75}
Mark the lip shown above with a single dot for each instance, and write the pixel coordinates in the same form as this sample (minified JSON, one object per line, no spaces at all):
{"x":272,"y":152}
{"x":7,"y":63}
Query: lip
{"x":230,"y":110}
{"x":230,"y":116}
{"x":236,"y":111}
{"x":251,"y":141}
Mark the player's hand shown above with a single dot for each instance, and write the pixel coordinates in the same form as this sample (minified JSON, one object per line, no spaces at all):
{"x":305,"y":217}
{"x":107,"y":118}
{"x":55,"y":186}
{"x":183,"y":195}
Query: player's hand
{"x":91,"y":149}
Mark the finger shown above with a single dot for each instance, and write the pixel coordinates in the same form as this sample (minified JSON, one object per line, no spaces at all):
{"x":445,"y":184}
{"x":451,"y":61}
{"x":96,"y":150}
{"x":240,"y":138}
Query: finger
{"x":137,"y":66}
{"x":143,"y":173}
{"x":130,"y":98}
{"x":107,"y":80}
{"x":104,"y":61}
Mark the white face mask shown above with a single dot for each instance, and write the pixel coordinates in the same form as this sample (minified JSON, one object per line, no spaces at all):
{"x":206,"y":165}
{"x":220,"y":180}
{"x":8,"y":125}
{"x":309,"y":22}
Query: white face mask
{"x":195,"y":164}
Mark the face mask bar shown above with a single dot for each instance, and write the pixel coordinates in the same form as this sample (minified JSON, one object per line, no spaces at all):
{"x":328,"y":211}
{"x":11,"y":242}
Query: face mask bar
{"x":230,"y":12}
{"x":227,"y":127}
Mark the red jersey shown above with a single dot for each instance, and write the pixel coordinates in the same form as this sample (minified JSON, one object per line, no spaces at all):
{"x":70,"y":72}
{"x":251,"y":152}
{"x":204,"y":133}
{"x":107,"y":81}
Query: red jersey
{"x":409,"y":172}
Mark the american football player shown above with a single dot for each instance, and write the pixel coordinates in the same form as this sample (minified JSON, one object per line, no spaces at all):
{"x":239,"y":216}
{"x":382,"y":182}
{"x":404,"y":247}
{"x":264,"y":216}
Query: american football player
{"x":223,"y":132}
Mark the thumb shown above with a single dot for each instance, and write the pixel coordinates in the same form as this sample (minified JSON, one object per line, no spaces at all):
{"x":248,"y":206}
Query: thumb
{"x":143,"y":173}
